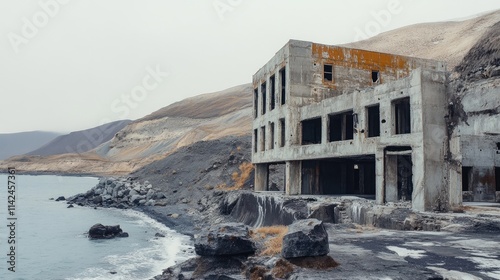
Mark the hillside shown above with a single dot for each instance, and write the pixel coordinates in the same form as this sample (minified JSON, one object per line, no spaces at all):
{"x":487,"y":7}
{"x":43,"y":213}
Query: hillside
{"x":445,"y":41}
{"x":81,"y":141}
{"x":20,"y":143}
{"x":206,"y":117}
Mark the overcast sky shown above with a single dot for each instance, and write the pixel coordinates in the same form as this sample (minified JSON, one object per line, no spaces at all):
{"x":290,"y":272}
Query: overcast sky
{"x":75,"y":64}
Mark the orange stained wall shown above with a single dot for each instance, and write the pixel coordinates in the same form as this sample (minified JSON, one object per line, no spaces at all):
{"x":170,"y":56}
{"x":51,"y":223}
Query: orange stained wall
{"x":364,"y":60}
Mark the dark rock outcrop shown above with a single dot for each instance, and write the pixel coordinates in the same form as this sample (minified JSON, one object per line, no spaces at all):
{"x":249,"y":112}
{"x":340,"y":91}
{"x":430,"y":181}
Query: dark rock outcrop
{"x":225,"y":240}
{"x":99,"y":231}
{"x":61,"y":198}
{"x":305,"y":238}
{"x":257,"y":210}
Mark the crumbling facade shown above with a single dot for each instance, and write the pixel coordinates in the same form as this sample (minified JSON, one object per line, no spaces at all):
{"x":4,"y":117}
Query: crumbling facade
{"x":353,"y":122}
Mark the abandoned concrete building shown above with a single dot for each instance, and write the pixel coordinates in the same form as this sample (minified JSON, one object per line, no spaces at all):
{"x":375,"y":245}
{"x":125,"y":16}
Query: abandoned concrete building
{"x":344,"y":121}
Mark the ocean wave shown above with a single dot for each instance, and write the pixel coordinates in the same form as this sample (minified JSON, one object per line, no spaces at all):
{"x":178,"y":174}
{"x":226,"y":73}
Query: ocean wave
{"x":146,"y":262}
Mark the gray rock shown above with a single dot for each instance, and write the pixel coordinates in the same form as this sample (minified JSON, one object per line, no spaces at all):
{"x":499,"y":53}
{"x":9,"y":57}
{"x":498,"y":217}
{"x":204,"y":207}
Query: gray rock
{"x":305,"y":238}
{"x":135,"y":198}
{"x":150,"y":202}
{"x":225,"y":240}
{"x":98,"y":231}
{"x":159,"y":195}
{"x":132,"y":193}
{"x":61,"y":198}
{"x":97,"y":199}
{"x":142,"y":202}
{"x":150,"y":194}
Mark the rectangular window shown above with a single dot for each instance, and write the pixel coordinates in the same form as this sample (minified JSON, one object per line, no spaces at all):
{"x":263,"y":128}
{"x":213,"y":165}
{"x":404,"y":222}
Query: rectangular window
{"x":272,"y":136}
{"x":402,"y":116}
{"x":498,"y":146}
{"x":311,"y":131}
{"x":341,"y":126}
{"x":373,"y":122}
{"x":273,"y":92}
{"x":255,"y":140}
{"x":466,"y":171}
{"x":328,"y":72}
{"x":255,"y":102}
{"x":263,"y":138}
{"x":375,"y":77}
{"x":283,"y":85}
{"x":264,"y":101}
{"x":283,"y":133}
{"x":497,"y":178}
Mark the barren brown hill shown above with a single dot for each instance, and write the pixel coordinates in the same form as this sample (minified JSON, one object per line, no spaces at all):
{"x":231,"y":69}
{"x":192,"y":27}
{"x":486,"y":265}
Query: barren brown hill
{"x":204,"y":117}
{"x":445,"y":41}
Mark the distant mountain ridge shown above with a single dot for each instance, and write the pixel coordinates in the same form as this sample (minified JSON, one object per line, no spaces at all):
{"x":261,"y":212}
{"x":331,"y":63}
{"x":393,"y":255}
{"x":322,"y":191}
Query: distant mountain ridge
{"x":81,"y":141}
{"x":12,"y":144}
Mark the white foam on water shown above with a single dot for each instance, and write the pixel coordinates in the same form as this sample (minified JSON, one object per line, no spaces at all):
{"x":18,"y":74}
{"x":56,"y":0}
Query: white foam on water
{"x":143,"y":263}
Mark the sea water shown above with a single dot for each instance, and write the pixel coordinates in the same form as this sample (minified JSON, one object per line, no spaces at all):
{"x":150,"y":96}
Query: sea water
{"x":51,"y":240}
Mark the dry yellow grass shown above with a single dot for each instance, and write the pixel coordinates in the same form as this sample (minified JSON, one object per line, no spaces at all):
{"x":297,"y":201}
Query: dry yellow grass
{"x":241,"y":177}
{"x":272,"y":246}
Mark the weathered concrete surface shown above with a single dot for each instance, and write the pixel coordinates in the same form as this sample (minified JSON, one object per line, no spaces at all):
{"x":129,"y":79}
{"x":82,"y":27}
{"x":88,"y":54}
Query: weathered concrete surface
{"x":367,"y":253}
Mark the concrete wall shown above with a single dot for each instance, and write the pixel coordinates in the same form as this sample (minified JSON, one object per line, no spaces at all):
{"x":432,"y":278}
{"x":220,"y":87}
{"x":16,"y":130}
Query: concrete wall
{"x":309,"y":96}
{"x":475,"y":134}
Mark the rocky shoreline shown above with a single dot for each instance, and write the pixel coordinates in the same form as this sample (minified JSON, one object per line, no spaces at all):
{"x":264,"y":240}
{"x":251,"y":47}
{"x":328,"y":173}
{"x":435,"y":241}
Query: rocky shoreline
{"x":217,"y":208}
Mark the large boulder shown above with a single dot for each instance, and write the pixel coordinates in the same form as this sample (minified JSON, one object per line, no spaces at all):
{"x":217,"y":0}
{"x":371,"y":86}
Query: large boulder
{"x":305,"y":238}
{"x":99,"y":231}
{"x":225,"y":240}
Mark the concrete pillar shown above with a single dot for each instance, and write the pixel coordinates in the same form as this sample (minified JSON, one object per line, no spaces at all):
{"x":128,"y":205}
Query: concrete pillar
{"x":324,"y":129}
{"x":391,"y":178}
{"x":455,"y":185}
{"x":293,"y":174}
{"x":379,"y":177}
{"x":261,"y":177}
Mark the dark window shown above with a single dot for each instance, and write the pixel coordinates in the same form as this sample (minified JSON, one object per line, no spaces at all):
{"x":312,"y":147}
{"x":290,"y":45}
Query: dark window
{"x":328,"y":72}
{"x":263,"y":91}
{"x":263,"y":138}
{"x":498,"y":146}
{"x":373,"y":122}
{"x":497,"y":178}
{"x":376,"y":77}
{"x":341,"y":126}
{"x":402,"y":115}
{"x":255,"y":102}
{"x":273,"y":92}
{"x":283,"y":85}
{"x":272,"y":136}
{"x":311,"y":131}
{"x":255,"y":140}
{"x":283,"y":132}
{"x":466,"y":171}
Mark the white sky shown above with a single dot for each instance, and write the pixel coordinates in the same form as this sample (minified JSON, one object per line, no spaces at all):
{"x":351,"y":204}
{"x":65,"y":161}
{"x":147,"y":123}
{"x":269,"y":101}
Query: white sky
{"x":85,"y":62}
